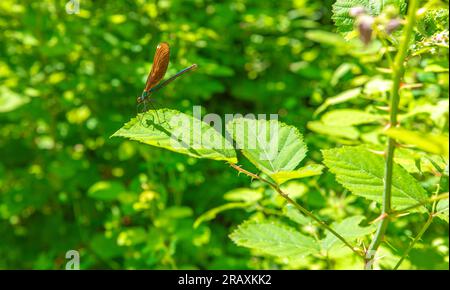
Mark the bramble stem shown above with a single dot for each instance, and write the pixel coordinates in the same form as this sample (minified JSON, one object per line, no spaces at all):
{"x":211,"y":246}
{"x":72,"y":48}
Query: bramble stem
{"x":397,"y":74}
{"x":300,"y":208}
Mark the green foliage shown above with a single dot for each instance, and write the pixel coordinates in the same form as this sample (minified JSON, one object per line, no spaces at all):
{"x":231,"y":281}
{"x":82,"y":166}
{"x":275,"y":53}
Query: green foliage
{"x":341,"y":11}
{"x":361,"y":172}
{"x":306,"y":171}
{"x":437,"y":144}
{"x":349,"y":229}
{"x":178,"y":132}
{"x":69,"y":81}
{"x":271,"y":146}
{"x":274,"y":239}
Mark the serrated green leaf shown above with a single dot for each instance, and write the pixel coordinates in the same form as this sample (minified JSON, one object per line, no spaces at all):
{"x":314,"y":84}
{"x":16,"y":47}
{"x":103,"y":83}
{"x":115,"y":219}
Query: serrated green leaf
{"x":306,"y":171}
{"x":437,"y":144}
{"x":274,"y":239}
{"x":349,"y":229}
{"x":212,"y":213}
{"x":349,"y":117}
{"x":176,"y":131}
{"x":243,"y":194}
{"x":362,"y":172}
{"x":341,"y":11}
{"x":270,"y":145}
{"x":348,"y":132}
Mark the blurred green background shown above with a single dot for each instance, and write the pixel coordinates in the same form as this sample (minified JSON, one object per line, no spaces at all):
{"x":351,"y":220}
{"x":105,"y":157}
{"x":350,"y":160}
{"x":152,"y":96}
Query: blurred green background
{"x":69,"y":81}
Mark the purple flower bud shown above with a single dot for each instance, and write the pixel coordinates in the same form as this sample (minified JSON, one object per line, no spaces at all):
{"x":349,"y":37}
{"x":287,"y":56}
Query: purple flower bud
{"x":393,"y":25}
{"x":357,"y":11}
{"x":365,"y":28}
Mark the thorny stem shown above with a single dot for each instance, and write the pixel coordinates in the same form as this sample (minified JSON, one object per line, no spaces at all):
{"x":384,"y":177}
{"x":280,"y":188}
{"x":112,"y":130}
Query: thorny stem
{"x":303,"y":210}
{"x":398,"y":72}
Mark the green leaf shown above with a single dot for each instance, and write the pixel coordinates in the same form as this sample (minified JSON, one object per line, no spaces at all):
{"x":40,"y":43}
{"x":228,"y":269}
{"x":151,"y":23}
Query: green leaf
{"x":9,"y":100}
{"x":341,"y":71}
{"x":306,"y":171}
{"x":377,"y":86}
{"x":349,"y":117}
{"x":431,"y":21}
{"x":271,"y":146}
{"x":293,"y":214}
{"x":338,"y":99}
{"x":349,"y":229}
{"x":176,"y":131}
{"x":362,"y":172}
{"x":348,"y":132}
{"x":442,"y":209}
{"x":437,"y":144}
{"x":325,"y":37}
{"x":106,"y":190}
{"x":243,"y":194}
{"x":274,"y":239}
{"x":341,"y":11}
{"x":212,"y":213}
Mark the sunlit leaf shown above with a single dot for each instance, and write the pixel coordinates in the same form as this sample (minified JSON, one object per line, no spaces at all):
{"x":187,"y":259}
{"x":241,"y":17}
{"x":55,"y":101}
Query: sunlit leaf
{"x":178,"y":132}
{"x":437,"y":144}
{"x":338,"y":99}
{"x":349,"y":229}
{"x":306,"y":171}
{"x":243,"y":194}
{"x":362,"y":172}
{"x":349,"y":117}
{"x":274,"y":239}
{"x":270,"y":145}
{"x":348,"y":132}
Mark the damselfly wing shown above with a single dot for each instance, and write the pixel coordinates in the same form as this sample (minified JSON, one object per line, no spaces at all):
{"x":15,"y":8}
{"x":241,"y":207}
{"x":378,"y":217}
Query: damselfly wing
{"x":159,"y":68}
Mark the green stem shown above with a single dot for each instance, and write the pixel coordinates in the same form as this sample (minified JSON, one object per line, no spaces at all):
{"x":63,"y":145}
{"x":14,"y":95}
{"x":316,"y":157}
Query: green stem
{"x":411,"y":245}
{"x":430,"y":200}
{"x":398,"y":72}
{"x":312,"y":216}
{"x":297,"y":206}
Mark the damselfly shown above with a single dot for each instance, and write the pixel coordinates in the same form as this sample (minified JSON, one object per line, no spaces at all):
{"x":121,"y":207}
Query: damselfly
{"x":159,"y":68}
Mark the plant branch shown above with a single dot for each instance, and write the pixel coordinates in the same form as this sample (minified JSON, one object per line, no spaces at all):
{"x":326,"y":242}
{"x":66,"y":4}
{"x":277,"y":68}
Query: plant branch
{"x":417,"y":238}
{"x":430,"y":200}
{"x":397,"y":74}
{"x":300,"y":208}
